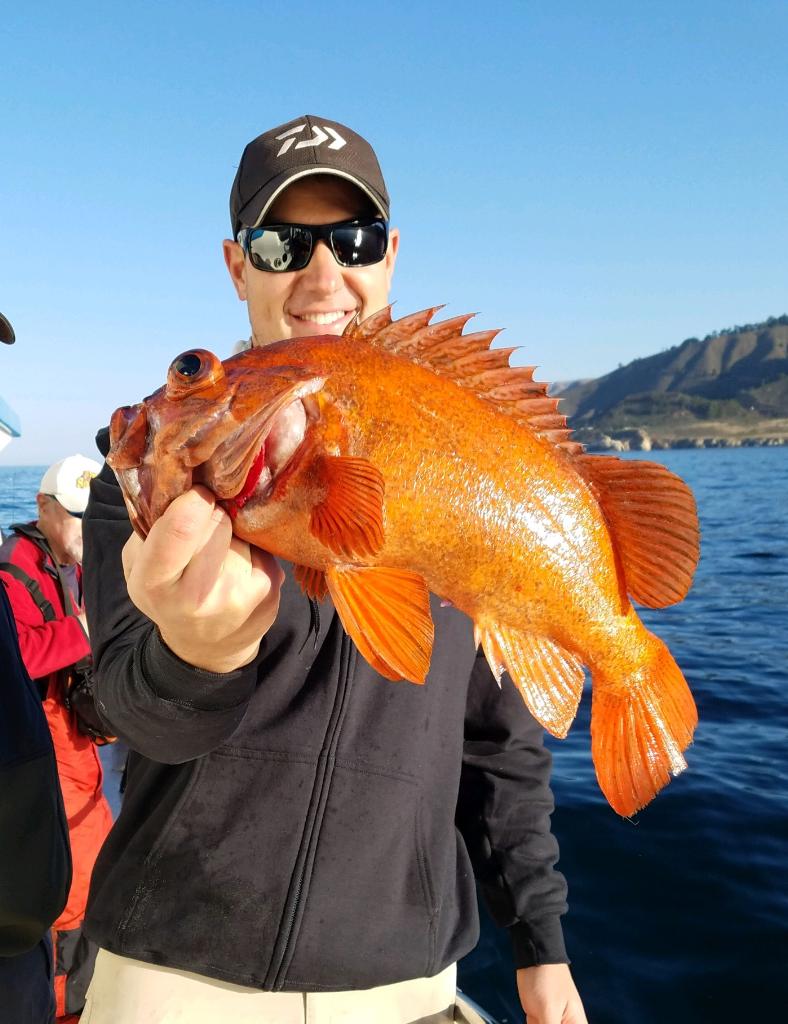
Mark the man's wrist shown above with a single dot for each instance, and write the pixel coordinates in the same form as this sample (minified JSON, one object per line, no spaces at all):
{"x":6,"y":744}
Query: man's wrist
{"x":173,"y":678}
{"x":209,"y":659}
{"x":538,"y":942}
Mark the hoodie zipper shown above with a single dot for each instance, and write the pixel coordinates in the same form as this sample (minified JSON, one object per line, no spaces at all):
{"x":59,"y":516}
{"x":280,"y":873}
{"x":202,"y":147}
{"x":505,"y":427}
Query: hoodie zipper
{"x":283,"y":951}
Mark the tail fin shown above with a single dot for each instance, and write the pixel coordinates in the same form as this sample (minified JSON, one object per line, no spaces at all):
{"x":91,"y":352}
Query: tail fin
{"x":639,"y":729}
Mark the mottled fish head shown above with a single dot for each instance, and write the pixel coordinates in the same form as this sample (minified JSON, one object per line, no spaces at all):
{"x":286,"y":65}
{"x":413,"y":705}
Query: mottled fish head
{"x":234,"y":427}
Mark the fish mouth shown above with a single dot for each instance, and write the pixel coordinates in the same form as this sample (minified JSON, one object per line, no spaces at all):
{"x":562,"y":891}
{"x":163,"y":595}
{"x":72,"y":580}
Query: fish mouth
{"x":277,"y":450}
{"x":250,"y":462}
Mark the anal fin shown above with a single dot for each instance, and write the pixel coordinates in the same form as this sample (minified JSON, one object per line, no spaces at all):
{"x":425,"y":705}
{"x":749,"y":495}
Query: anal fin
{"x":549,"y":678}
{"x":386,"y":612}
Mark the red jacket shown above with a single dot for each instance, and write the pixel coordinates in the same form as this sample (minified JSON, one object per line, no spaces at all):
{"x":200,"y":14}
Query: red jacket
{"x":47,"y":647}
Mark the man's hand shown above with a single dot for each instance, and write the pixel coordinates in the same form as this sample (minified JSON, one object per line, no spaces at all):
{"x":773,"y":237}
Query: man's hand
{"x":212,"y":596}
{"x":548,"y":995}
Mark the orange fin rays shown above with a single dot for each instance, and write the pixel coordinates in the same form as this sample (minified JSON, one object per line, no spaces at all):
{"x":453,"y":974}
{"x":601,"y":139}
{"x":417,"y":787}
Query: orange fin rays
{"x":386,"y":612}
{"x":549,"y":678}
{"x":312,"y":581}
{"x":396,"y":337}
{"x":654,"y":524}
{"x":639,"y":730}
{"x":349,"y":519}
{"x":470,"y":362}
{"x":361,"y":330}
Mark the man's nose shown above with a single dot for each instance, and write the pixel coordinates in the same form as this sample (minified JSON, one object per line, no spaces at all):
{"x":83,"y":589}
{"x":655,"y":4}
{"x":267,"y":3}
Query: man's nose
{"x":323,"y":273}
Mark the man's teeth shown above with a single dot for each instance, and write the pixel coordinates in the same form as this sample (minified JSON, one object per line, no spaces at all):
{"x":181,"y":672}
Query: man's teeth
{"x":322,"y":318}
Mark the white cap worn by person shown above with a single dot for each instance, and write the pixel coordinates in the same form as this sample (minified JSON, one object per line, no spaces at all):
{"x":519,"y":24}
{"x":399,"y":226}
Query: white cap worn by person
{"x":69,"y":481}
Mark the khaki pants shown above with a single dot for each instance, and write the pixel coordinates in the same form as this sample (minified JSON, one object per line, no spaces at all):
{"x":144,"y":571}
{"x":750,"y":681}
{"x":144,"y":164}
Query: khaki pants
{"x":125,"y":991}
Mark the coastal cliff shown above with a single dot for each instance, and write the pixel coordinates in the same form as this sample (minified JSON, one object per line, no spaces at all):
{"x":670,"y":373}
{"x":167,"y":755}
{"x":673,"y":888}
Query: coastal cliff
{"x":729,"y":389}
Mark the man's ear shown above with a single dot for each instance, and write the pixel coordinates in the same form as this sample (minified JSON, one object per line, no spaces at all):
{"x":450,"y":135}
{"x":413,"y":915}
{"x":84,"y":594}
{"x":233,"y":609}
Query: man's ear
{"x":391,"y":253}
{"x":235,"y":260}
{"x":41,"y":501}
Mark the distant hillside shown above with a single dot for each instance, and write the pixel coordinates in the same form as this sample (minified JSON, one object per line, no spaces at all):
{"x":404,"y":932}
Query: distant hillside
{"x":732,"y":382}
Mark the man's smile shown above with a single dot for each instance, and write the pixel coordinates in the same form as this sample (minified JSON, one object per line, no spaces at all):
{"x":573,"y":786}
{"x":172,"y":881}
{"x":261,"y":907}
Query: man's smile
{"x":323,"y":318}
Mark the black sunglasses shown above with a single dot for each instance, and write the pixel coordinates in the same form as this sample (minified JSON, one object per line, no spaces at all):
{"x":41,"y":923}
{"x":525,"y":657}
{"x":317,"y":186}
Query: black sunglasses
{"x":277,"y":248}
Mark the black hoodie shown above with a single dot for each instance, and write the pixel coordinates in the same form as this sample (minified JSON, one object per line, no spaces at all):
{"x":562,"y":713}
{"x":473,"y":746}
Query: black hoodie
{"x":291,"y":825}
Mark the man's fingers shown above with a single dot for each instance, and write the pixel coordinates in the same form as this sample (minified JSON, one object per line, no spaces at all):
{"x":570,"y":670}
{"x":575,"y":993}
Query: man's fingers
{"x":271,"y":577}
{"x":264,"y":562}
{"x":210,"y":559}
{"x":130,"y":553}
{"x":255,"y":577}
{"x":212,"y":595}
{"x":177,"y":535}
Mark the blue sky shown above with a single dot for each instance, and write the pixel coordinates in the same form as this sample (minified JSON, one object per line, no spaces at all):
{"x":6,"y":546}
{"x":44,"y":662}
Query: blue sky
{"x":601,"y":179}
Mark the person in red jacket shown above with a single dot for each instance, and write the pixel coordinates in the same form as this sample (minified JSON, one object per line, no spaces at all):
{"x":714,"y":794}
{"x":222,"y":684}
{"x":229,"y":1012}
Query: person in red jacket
{"x":40,"y":564}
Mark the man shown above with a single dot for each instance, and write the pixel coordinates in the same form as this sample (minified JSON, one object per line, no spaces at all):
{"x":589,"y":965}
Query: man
{"x":40,"y":567}
{"x":35,"y":860}
{"x":287,"y":850}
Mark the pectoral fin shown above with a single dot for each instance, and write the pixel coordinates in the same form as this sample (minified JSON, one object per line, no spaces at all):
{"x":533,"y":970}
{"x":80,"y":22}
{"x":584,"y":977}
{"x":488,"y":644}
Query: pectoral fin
{"x":386,"y":612}
{"x":549,"y":678}
{"x":312,"y":581}
{"x":349,"y":519}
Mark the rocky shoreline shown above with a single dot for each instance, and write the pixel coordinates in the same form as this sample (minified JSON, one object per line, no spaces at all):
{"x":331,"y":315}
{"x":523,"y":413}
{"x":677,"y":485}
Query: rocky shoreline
{"x":638,"y":440}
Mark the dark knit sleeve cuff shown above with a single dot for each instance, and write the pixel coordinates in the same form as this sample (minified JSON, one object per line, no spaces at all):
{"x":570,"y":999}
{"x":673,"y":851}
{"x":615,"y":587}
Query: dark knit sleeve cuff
{"x":176,"y":680}
{"x":539,"y":942}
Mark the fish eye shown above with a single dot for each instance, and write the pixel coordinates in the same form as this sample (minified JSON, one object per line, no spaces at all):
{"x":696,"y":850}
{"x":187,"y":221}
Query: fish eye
{"x":194,"y":372}
{"x":187,"y":365}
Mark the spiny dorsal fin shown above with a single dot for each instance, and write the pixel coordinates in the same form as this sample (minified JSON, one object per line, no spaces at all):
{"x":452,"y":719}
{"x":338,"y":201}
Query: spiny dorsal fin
{"x":361,"y":330}
{"x":470,"y":362}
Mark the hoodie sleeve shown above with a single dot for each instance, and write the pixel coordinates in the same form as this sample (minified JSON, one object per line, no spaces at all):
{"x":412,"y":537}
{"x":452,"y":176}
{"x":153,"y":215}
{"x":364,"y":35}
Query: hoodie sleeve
{"x":504,"y":813}
{"x":164,"y":708}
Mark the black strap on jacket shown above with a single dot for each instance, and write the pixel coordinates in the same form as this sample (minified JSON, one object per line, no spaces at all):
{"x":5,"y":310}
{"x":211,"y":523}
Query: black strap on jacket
{"x":32,"y":533}
{"x":34,"y":589}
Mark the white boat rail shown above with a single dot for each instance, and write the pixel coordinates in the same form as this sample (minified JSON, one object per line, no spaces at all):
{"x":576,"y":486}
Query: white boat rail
{"x":472,"y":1013}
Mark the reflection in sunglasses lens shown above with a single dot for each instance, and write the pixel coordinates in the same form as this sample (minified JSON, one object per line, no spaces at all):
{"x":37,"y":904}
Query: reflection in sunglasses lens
{"x":356,"y":246}
{"x":279,"y":250}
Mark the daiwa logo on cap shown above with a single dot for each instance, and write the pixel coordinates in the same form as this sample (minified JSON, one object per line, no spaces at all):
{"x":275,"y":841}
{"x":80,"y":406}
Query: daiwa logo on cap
{"x":319,"y":136}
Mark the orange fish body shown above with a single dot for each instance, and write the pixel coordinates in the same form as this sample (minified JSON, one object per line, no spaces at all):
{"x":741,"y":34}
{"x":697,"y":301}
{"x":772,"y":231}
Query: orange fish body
{"x":405,"y":457}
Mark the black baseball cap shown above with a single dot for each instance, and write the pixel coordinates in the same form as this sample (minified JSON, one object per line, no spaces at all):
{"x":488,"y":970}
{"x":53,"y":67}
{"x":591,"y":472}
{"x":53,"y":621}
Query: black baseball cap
{"x":6,"y":331}
{"x":307,"y":145}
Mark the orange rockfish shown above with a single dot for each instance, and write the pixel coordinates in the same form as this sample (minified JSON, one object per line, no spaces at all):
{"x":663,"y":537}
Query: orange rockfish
{"x":405,"y":457}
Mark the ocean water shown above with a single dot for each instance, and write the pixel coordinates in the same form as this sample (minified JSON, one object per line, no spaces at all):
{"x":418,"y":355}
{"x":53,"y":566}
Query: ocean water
{"x":681,"y":914}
